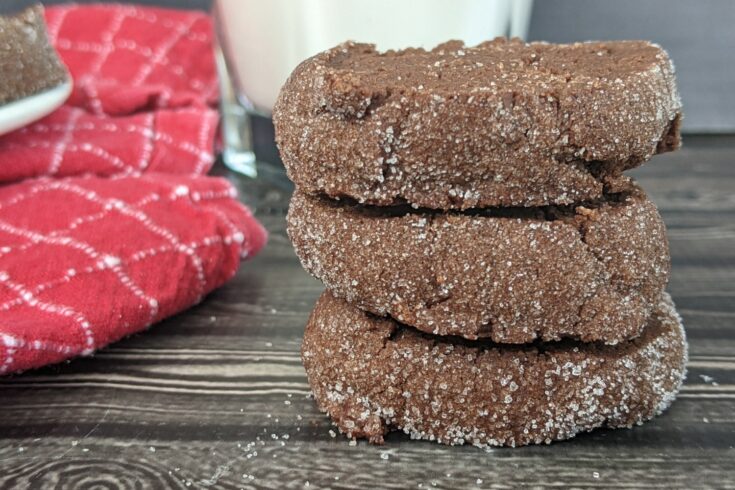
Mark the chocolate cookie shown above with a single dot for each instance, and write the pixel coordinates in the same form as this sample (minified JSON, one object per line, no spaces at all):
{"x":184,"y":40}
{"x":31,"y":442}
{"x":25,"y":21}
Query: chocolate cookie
{"x":28,"y":63}
{"x":372,"y":375}
{"x":591,"y":272}
{"x":500,"y":124}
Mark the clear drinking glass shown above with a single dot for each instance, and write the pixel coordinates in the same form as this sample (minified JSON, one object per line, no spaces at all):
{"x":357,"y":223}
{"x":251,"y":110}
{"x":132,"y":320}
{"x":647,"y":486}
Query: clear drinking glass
{"x":262,"y":41}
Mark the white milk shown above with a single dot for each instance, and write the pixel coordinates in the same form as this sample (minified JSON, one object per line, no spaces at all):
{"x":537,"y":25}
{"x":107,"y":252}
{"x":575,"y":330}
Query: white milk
{"x":266,"y":39}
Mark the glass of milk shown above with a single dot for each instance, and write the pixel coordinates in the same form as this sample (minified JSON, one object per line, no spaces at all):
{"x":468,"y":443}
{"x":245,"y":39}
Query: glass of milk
{"x":262,"y":41}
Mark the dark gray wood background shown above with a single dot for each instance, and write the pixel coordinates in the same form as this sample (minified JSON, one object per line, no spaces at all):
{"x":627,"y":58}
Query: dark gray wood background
{"x":217,"y":395}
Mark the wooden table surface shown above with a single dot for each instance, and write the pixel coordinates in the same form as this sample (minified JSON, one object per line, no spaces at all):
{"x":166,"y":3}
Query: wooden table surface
{"x":217,"y":397}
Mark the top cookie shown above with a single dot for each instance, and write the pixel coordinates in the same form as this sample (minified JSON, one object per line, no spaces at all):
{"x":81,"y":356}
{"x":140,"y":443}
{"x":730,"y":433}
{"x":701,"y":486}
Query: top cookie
{"x":504,"y":123}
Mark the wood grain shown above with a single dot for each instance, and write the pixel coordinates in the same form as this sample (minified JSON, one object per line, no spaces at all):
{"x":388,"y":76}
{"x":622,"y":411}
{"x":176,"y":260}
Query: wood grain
{"x":217,"y":398}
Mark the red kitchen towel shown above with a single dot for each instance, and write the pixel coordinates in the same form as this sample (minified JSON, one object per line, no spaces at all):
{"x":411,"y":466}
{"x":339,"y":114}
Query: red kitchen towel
{"x":71,"y":141}
{"x":125,"y":58}
{"x":144,"y":87}
{"x":107,"y":223}
{"x":85,"y":261}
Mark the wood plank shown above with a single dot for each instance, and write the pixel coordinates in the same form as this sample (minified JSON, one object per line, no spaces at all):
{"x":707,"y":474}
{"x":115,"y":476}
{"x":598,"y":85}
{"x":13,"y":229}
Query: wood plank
{"x":194,"y":398}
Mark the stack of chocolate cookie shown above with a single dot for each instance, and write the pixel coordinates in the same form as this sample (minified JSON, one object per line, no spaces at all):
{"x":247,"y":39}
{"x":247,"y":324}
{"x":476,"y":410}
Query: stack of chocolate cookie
{"x":493,"y":278}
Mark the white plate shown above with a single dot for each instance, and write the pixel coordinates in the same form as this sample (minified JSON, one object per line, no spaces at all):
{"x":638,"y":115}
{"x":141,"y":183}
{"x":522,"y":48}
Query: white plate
{"x":17,"y":114}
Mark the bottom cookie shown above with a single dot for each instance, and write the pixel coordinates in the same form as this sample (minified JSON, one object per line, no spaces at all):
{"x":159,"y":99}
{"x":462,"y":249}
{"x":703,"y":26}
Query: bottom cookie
{"x":373,"y":375}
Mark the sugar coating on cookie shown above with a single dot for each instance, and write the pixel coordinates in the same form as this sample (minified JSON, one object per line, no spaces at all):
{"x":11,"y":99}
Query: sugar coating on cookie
{"x":589,"y":272}
{"x":504,"y":123}
{"x":373,"y":375}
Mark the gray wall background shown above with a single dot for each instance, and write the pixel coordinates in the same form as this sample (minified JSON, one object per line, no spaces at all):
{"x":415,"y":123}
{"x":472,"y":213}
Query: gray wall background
{"x":698,"y":34}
